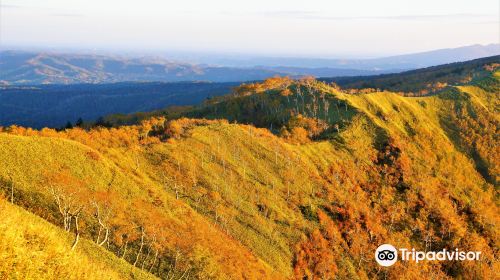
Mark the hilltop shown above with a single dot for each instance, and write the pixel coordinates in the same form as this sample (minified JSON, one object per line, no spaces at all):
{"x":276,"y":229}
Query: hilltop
{"x":281,"y":179}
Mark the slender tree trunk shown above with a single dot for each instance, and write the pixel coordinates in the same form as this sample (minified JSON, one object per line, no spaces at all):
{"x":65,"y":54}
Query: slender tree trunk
{"x":124,"y":249}
{"x":68,"y":222}
{"x":146,"y":258}
{"x":154,"y":261}
{"x":65,"y":222}
{"x":12,"y":192}
{"x":98,"y":235}
{"x":77,"y":231}
{"x":185,"y":272}
{"x":106,"y":237}
{"x":158,"y":266}
{"x":140,"y":248}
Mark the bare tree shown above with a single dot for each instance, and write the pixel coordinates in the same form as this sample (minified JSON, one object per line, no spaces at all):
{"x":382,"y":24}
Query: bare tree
{"x":75,"y":217}
{"x":143,"y":235}
{"x":102,"y":214}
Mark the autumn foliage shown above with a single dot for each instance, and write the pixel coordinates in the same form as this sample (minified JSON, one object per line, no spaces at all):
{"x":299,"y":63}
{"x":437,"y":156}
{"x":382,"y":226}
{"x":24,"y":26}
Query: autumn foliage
{"x":282,"y":179}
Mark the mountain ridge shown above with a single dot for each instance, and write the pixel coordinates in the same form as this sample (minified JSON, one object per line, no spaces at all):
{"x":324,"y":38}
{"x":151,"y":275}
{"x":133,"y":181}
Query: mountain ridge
{"x":25,"y":68}
{"x":405,"y":61}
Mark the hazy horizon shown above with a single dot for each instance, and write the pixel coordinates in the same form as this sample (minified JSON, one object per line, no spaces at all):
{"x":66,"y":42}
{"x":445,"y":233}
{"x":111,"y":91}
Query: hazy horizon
{"x":166,"y":53}
{"x":321,"y":29}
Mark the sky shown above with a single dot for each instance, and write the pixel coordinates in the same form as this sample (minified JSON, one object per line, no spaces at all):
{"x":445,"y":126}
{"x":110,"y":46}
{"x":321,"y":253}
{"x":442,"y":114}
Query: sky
{"x":316,"y":28}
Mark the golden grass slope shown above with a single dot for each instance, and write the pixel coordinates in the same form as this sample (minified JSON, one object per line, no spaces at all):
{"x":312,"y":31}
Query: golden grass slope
{"x":27,"y":160}
{"x":241,"y":202}
{"x":32,"y":248}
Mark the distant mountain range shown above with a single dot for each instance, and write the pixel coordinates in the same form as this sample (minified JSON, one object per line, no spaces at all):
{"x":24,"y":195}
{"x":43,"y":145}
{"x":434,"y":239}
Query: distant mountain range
{"x":391,"y":63}
{"x":23,"y":68}
{"x":32,"y":68}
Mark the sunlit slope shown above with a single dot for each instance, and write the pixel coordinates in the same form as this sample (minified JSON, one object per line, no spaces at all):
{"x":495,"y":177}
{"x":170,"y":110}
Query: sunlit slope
{"x":426,"y":166}
{"x":383,"y":140}
{"x":32,"y":248}
{"x":463,"y":114}
{"x":341,"y":174}
{"x":241,"y":178}
{"x":137,"y":201}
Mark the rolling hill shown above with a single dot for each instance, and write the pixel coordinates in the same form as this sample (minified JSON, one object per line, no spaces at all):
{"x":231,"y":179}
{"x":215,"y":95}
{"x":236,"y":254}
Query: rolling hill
{"x":31,"y":68}
{"x":281,"y":179}
{"x":34,"y":68}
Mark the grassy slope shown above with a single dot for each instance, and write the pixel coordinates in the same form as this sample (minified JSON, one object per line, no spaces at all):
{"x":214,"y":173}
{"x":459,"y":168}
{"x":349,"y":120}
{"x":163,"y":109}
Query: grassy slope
{"x":131,"y":185}
{"x":259,"y":178}
{"x":32,"y":248}
{"x":250,"y":189}
{"x":418,"y":121}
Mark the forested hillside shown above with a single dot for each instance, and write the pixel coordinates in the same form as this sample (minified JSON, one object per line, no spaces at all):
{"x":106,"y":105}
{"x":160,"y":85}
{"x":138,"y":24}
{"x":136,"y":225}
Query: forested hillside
{"x":424,"y":81}
{"x":56,"y":105}
{"x":282,"y":179}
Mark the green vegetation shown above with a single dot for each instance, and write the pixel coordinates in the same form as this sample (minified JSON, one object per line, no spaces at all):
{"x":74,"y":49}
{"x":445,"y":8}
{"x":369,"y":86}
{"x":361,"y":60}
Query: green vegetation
{"x":281,"y":179}
{"x":424,"y":81}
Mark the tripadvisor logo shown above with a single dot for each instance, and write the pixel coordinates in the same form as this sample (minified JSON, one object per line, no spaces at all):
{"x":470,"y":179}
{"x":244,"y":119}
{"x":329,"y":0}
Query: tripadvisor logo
{"x":387,"y":255}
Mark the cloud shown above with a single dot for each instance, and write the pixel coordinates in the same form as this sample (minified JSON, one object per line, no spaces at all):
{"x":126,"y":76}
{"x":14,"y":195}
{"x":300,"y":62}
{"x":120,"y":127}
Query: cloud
{"x":316,"y":15}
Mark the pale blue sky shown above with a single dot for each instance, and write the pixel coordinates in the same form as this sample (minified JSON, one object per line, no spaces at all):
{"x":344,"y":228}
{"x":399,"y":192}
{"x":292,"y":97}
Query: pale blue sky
{"x":272,"y":27}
